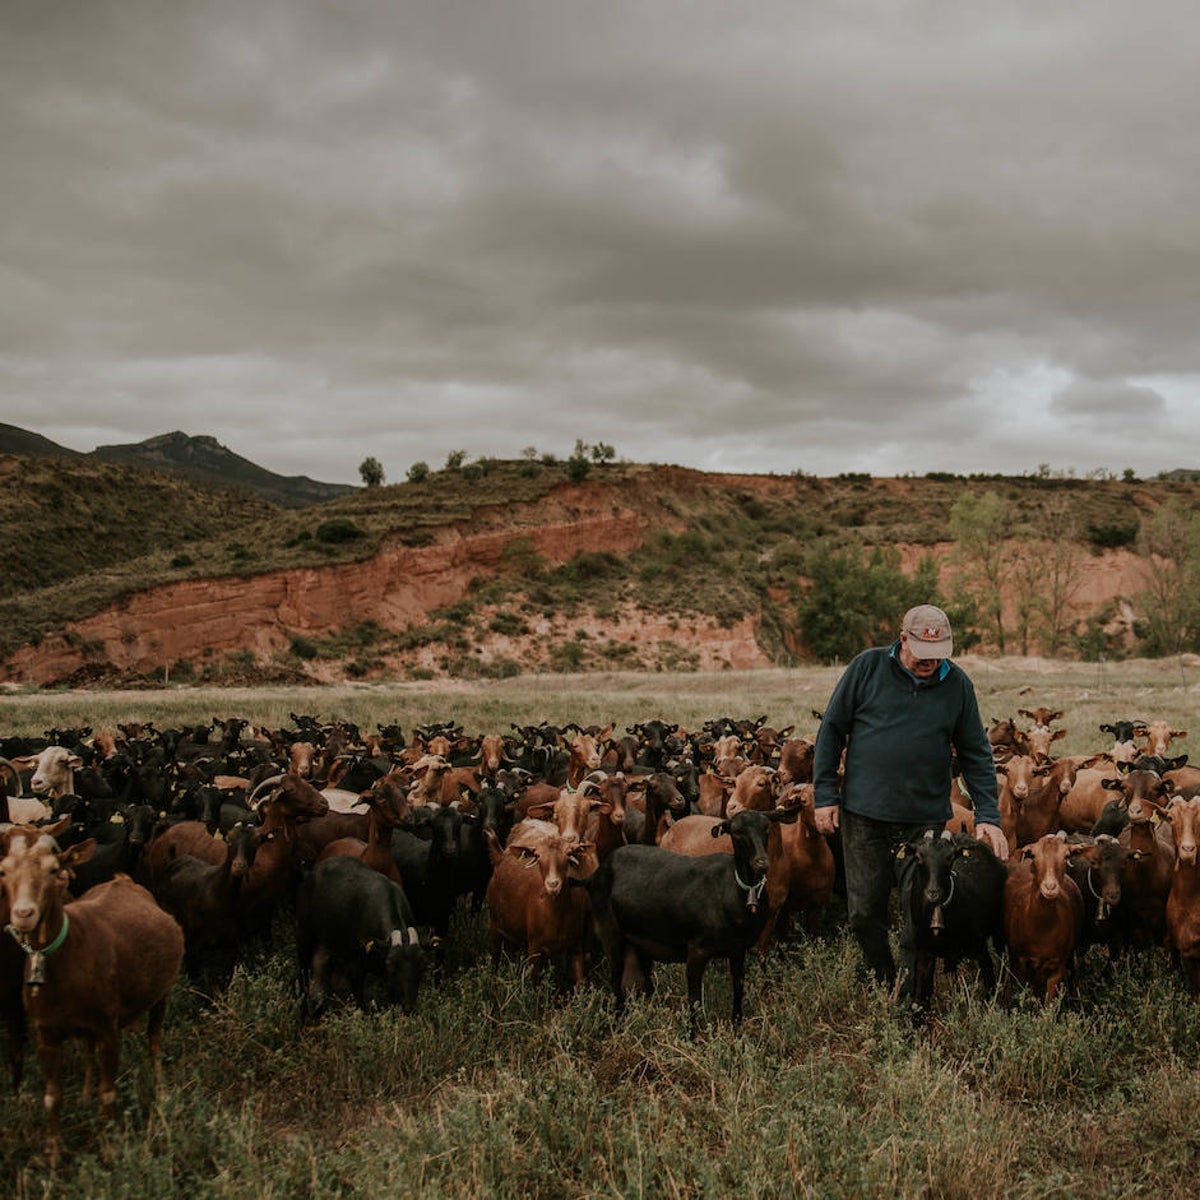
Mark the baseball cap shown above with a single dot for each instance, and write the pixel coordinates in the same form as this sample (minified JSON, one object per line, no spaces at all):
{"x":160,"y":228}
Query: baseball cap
{"x":928,"y":630}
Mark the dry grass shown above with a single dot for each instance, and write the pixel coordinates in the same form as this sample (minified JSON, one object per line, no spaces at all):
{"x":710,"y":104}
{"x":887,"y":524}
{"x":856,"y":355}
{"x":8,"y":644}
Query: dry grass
{"x":1090,"y":694}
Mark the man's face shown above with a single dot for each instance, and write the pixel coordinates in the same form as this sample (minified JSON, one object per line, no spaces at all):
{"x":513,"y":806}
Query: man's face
{"x":922,"y":668}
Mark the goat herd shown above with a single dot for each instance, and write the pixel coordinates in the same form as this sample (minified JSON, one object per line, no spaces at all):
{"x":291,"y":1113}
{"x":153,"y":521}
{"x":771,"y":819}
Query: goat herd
{"x":133,"y":853}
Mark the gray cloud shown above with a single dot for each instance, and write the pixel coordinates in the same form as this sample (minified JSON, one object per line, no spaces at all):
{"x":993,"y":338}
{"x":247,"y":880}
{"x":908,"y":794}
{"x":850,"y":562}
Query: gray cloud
{"x":1109,"y":400}
{"x":890,"y":238}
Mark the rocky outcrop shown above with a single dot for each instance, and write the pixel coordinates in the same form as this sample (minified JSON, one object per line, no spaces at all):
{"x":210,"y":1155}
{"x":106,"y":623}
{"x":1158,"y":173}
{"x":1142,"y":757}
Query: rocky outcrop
{"x":394,"y":589}
{"x":208,"y":620}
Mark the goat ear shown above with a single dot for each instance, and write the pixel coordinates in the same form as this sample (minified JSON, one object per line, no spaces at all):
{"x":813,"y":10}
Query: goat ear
{"x":722,"y":828}
{"x":75,"y":855}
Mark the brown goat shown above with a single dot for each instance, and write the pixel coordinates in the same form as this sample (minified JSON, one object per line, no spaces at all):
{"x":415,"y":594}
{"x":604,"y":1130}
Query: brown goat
{"x":530,"y":906}
{"x":1043,"y":915}
{"x":113,"y":961}
{"x":12,"y":978}
{"x":387,"y":808}
{"x":1183,"y":901}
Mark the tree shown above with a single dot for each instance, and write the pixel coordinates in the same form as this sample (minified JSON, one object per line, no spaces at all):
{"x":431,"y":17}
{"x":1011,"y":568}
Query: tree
{"x":418,"y":472}
{"x":455,"y":459}
{"x":856,"y":599}
{"x":1061,"y":572}
{"x":578,"y":465}
{"x":602,"y":452}
{"x":530,"y":468}
{"x":1170,"y":549}
{"x":981,"y":527}
{"x":371,"y":471}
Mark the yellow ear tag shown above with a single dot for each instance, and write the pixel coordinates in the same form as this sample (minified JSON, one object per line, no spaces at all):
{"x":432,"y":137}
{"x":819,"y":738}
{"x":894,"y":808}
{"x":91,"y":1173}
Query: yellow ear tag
{"x":219,"y":836}
{"x":116,"y":819}
{"x":967,"y":852}
{"x":369,"y":947}
{"x":901,"y":852}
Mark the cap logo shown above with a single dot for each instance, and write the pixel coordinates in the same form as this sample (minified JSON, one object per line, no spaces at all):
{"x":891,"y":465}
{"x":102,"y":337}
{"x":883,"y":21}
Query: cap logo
{"x":930,"y":634}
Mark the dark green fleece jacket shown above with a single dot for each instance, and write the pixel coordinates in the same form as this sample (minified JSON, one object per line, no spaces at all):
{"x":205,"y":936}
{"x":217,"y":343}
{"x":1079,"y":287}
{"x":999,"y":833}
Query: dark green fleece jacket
{"x":898,"y":733}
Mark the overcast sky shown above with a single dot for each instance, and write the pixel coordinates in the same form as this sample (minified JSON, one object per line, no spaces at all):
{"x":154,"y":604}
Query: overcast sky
{"x":864,"y":236}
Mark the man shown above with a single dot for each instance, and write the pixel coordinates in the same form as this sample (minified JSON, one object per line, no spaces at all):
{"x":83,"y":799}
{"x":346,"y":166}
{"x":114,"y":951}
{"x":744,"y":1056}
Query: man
{"x":900,"y":713}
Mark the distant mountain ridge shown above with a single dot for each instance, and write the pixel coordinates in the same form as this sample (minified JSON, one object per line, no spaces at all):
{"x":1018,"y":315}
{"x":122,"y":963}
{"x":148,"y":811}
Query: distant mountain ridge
{"x":202,"y":459}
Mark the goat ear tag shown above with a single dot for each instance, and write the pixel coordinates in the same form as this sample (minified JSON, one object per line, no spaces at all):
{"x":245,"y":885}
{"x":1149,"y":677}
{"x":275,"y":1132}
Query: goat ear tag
{"x":902,"y":852}
{"x":116,"y":819}
{"x":966,"y":853}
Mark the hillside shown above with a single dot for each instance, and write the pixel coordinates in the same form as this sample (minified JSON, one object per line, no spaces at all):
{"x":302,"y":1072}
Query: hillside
{"x":65,"y":520}
{"x":496,"y":569}
{"x":202,"y":460}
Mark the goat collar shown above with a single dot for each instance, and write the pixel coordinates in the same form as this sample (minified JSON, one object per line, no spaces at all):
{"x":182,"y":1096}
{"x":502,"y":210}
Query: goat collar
{"x":753,"y":890}
{"x":1103,"y":908}
{"x":37,"y":957}
{"x":937,"y":922}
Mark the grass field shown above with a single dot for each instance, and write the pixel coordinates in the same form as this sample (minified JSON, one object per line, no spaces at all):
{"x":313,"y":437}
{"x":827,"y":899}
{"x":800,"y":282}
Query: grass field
{"x":499,"y":1088}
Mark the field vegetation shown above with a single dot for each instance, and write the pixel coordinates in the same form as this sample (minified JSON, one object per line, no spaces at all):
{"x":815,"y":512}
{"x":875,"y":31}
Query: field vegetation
{"x":78,"y":536}
{"x":495,"y":1087}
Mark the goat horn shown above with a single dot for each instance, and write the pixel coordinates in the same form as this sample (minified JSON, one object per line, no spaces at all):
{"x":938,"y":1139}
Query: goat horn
{"x":258,"y":787}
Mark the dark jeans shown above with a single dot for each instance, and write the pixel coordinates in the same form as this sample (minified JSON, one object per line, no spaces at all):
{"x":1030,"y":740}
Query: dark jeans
{"x":872,"y":870}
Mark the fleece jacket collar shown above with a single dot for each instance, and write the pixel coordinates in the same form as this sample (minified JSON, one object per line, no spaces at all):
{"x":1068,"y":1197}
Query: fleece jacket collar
{"x":943,"y":670}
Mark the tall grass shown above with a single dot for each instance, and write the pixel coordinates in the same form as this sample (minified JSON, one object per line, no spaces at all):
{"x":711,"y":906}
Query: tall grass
{"x":497,"y":1087}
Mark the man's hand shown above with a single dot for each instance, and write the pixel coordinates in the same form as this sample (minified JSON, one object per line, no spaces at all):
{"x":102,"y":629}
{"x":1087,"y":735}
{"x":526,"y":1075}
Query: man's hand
{"x":828,"y":818}
{"x":992,"y":834}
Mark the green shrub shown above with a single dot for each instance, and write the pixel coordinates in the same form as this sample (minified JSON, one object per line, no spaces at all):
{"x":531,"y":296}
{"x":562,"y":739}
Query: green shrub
{"x":182,"y":560}
{"x":589,"y":565}
{"x":1112,"y":537}
{"x":499,"y":668}
{"x":508,"y":624}
{"x":567,"y":656}
{"x":578,"y":467}
{"x":338,"y":529}
{"x":301,"y":647}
